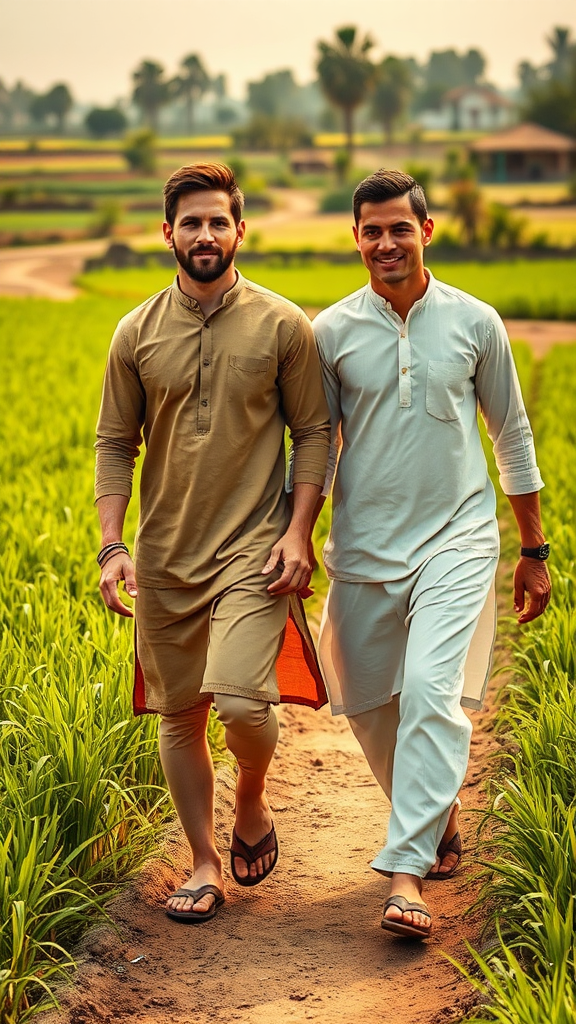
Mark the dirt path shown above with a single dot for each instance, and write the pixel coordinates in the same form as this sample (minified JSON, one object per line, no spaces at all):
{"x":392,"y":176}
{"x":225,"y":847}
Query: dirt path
{"x":306,"y":945}
{"x":49,"y":270}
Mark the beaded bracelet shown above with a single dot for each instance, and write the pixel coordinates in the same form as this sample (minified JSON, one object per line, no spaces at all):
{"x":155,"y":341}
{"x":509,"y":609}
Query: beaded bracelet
{"x":106,"y":552}
{"x":109,"y":559}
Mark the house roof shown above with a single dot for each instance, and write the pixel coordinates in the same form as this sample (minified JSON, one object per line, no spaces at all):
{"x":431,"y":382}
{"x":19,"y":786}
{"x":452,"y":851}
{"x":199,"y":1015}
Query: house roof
{"x":494,"y":98}
{"x":525,"y":137}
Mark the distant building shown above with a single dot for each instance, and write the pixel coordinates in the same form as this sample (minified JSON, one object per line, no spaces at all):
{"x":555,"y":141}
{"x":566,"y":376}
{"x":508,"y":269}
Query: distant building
{"x":526,"y":152}
{"x":309,"y":162}
{"x":470,"y":108}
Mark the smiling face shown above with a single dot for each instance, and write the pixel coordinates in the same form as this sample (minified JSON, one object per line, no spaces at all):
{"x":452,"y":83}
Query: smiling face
{"x":204,"y":235}
{"x":391,"y":241}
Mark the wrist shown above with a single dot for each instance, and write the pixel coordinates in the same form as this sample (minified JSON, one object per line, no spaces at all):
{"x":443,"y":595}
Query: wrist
{"x":532,"y":538}
{"x":108,"y":551}
{"x":300,"y":530}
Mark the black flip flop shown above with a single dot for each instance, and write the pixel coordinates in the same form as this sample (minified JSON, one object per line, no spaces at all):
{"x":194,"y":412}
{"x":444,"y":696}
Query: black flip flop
{"x":250,"y":854}
{"x":196,"y":916}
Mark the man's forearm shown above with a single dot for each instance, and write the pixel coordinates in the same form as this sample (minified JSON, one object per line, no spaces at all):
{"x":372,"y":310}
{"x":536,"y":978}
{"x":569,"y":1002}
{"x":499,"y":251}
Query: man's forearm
{"x":306,"y":504}
{"x":112,"y":512}
{"x":526,"y":509}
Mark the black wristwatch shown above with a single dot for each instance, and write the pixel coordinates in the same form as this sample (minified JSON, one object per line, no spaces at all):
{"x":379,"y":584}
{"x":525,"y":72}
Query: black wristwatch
{"x":540,"y":553}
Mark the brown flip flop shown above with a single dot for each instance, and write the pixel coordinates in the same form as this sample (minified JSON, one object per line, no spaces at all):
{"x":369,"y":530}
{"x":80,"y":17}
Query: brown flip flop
{"x":196,"y":916}
{"x":408,"y":930}
{"x":250,"y":854}
{"x":453,"y":845}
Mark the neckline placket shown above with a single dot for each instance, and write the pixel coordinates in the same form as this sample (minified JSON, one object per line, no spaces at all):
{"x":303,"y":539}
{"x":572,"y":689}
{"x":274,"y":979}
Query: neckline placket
{"x":205,"y":389}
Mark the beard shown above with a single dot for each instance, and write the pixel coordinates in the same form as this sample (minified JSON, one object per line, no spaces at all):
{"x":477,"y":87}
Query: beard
{"x":208,"y":273}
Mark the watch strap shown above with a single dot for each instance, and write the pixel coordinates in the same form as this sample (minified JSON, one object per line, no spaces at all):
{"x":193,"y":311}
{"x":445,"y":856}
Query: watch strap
{"x":541,"y":552}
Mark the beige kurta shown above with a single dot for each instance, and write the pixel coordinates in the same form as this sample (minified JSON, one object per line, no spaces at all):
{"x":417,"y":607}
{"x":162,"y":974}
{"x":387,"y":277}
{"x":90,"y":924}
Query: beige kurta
{"x":211,"y":398}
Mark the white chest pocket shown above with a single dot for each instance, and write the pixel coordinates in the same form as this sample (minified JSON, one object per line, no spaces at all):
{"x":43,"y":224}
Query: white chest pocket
{"x":446,"y":386}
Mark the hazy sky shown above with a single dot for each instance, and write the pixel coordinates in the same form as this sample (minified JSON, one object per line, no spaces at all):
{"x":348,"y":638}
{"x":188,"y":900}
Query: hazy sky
{"x":95,"y":44}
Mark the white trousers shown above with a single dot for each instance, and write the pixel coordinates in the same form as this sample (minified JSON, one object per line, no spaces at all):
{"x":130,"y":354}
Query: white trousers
{"x":393,"y":656}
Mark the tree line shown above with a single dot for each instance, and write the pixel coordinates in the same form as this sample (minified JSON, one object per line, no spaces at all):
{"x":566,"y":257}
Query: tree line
{"x":283,"y":114}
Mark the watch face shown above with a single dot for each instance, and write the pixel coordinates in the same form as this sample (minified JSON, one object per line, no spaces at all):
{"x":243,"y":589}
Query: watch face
{"x":544,"y":551}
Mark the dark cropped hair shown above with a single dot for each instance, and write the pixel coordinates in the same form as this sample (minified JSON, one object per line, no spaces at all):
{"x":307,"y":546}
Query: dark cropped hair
{"x":202,"y":178}
{"x":384,"y":185}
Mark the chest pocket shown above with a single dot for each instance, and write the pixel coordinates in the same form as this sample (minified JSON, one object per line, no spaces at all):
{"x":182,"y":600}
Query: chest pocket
{"x":248,"y":379}
{"x":247,"y":364}
{"x":446,"y":386}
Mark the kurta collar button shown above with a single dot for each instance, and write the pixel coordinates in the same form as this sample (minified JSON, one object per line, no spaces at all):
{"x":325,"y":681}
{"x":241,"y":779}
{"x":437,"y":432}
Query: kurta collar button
{"x":404,"y":369}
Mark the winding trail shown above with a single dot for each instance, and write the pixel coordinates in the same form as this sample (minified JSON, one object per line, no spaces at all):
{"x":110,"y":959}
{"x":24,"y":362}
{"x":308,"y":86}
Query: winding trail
{"x":48,"y":271}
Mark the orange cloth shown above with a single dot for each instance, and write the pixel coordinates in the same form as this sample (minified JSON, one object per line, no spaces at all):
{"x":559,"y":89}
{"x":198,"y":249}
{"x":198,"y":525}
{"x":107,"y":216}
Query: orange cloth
{"x":297,"y":669}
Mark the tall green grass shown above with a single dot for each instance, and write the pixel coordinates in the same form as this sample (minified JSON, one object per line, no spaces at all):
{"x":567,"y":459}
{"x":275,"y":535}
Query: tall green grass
{"x":83,"y":797}
{"x":529,"y":976}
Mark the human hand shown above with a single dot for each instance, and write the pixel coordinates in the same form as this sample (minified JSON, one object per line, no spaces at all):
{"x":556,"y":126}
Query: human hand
{"x":532,"y":589}
{"x":119,"y":567}
{"x":291,"y":555}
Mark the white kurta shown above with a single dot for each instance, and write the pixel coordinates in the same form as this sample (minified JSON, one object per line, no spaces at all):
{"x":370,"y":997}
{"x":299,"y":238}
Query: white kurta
{"x":412,"y":478}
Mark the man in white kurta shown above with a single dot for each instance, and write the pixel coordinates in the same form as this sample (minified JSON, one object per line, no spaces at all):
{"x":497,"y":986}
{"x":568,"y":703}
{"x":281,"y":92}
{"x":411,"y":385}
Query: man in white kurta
{"x":414,"y":543}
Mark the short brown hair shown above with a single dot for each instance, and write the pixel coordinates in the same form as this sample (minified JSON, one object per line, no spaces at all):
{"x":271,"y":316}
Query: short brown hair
{"x":384,"y":185}
{"x":202,"y":178}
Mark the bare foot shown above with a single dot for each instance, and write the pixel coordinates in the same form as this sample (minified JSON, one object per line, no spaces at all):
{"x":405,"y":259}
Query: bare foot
{"x":410,"y":887}
{"x":205,"y":874}
{"x":253,"y":822}
{"x":449,"y":859}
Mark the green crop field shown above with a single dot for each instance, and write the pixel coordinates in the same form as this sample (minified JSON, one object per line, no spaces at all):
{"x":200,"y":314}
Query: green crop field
{"x":84,"y":800}
{"x":527,"y":975}
{"x":542,"y":289}
{"x":83,"y":795}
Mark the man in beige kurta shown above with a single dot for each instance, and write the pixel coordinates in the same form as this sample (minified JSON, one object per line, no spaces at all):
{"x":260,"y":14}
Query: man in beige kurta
{"x":208,"y":373}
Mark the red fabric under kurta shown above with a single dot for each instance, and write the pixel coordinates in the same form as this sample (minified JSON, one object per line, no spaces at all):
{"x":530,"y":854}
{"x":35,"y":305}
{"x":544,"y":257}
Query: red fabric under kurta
{"x":297,"y":669}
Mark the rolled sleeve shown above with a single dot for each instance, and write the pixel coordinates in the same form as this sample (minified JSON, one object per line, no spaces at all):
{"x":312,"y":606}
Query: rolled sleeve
{"x":502,"y":407}
{"x":119,"y":429}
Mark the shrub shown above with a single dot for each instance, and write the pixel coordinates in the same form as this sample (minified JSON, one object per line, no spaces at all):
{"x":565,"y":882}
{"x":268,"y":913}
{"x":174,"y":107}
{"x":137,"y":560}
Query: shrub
{"x":140,"y":151}
{"x":338,"y":200}
{"x":102,"y":122}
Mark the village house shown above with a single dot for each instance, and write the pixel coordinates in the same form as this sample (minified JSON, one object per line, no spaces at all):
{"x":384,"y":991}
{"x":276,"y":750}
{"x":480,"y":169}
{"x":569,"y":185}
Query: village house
{"x":526,"y":152}
{"x":476,"y":108}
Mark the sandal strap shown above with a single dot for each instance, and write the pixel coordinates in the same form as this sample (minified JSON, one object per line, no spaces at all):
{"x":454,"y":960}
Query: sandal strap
{"x":197,"y":894}
{"x":250,"y":854}
{"x":401,"y":903}
{"x":453,"y":845}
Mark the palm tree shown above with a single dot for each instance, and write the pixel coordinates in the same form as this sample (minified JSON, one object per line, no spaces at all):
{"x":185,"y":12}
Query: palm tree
{"x":563,"y":49}
{"x":346,"y":74}
{"x":150,"y":90}
{"x":192,"y":83}
{"x":392,"y":93}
